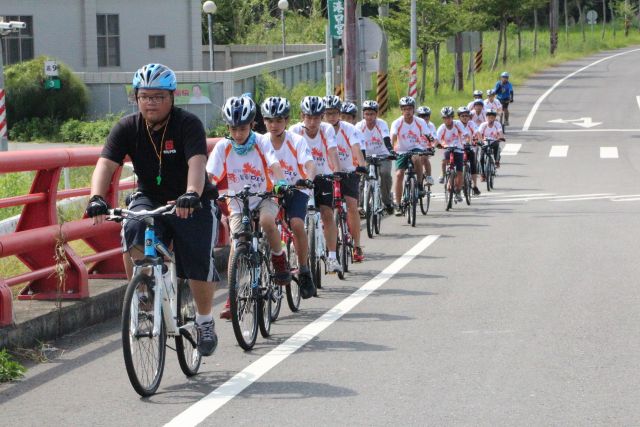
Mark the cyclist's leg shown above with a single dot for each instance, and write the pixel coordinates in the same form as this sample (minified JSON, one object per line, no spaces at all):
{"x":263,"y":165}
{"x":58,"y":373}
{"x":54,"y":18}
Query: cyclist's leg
{"x":426,"y":164}
{"x":350,"y":193}
{"x":482,"y":164}
{"x":417,"y":164}
{"x":329,"y":228}
{"x":133,"y":232}
{"x":473,"y":166}
{"x":505,"y":110}
{"x":401,"y":165}
{"x":458,"y":159}
{"x":296,"y":210}
{"x":385,"y":182}
{"x":268,"y":213}
{"x":496,"y":152}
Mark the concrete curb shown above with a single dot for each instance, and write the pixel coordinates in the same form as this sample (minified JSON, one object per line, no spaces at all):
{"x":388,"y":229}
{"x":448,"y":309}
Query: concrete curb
{"x":42,"y":321}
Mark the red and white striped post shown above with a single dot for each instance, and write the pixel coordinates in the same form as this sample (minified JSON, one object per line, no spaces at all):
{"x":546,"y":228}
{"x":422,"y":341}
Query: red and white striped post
{"x":413,"y":70}
{"x":3,"y":117}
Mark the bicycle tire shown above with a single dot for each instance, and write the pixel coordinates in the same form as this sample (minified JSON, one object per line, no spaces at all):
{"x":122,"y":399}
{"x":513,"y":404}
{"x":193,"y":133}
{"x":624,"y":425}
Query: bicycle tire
{"x":341,"y":246}
{"x":425,"y":201}
{"x":493,"y":173}
{"x":368,"y":199}
{"x":413,"y":199}
{"x":189,"y":358}
{"x":450,"y":189}
{"x":467,"y":185}
{"x":265,"y":300}
{"x":314,"y":260}
{"x":144,"y":383}
{"x":243,"y":298}
{"x":293,"y":288}
{"x":377,"y":218}
{"x":488,"y":174}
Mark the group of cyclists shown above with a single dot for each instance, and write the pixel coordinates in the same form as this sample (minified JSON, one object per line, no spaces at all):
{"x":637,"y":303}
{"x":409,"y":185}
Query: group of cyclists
{"x":290,"y":161}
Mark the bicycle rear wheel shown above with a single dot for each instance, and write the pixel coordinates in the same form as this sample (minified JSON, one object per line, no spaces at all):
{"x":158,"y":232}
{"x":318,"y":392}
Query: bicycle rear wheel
{"x":467,"y":185}
{"x":369,"y":213}
{"x":189,"y":357}
{"x":488,"y":173}
{"x":293,"y":288}
{"x":377,"y":216}
{"x":265,"y":300}
{"x":144,"y":354}
{"x":449,"y":189}
{"x":425,"y":201}
{"x":243,"y":298}
{"x":314,"y":259}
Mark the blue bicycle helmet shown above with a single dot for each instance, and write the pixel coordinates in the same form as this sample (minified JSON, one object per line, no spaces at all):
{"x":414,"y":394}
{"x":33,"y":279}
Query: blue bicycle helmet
{"x":155,"y":76}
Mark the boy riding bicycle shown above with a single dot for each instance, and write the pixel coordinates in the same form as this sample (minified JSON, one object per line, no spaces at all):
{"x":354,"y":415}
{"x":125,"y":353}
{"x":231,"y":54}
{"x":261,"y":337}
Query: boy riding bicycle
{"x":452,"y":134}
{"x":491,"y":129}
{"x":504,"y":92}
{"x":299,"y":169}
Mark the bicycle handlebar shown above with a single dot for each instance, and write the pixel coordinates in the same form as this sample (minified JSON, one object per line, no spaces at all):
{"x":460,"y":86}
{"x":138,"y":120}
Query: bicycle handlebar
{"x":118,"y":214}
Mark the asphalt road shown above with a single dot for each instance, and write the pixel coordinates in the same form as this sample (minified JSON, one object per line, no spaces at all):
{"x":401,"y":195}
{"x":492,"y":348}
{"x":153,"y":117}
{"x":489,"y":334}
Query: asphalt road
{"x":522,"y":310}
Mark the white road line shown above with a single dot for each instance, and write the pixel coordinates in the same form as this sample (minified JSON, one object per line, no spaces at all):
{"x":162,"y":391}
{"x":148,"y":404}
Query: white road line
{"x":535,"y":107}
{"x":574,"y":130}
{"x":540,"y":197}
{"x":523,"y":195}
{"x":206,"y":406}
{"x":559,"y":151}
{"x":608,"y":152}
{"x":638,"y":100}
{"x":629,"y":199}
{"x":579,"y":199}
{"x":510,"y":149}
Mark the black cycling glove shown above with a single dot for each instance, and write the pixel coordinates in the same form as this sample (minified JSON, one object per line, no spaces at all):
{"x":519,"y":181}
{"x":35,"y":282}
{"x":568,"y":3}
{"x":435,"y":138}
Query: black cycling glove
{"x":97,"y":206}
{"x":306,"y":183}
{"x":189,"y":200}
{"x":361,"y":169}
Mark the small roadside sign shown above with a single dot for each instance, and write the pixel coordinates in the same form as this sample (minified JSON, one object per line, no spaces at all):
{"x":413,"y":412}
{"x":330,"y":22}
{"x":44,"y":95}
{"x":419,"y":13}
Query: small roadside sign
{"x":53,"y":83}
{"x":592,"y":17}
{"x":470,"y":42}
{"x":51,"y":68}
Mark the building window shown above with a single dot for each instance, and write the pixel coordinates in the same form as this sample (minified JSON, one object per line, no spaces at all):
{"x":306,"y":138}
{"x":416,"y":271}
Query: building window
{"x":108,"y":41}
{"x":156,"y":42}
{"x":18,"y":46}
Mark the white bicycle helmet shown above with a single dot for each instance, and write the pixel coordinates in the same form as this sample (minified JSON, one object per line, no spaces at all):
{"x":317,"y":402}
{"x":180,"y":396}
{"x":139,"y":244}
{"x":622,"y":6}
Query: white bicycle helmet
{"x":312,"y":106}
{"x":504,"y":74}
{"x":491,"y":112}
{"x":349,"y":108}
{"x":423,"y":111}
{"x":447,"y":112}
{"x":463,"y":110}
{"x":477,"y":93}
{"x":238,"y":111}
{"x":332,"y":102}
{"x":490,"y":92}
{"x":274,"y":106}
{"x":407,"y":101}
{"x":370,"y":105}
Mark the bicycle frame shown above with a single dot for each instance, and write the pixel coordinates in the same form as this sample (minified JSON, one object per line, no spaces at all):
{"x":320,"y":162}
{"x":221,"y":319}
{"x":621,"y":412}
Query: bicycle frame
{"x":373,"y":179}
{"x":313,"y":219}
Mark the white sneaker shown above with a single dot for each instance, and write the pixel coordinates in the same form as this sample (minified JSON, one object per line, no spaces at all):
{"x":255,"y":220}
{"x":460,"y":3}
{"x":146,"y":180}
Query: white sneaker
{"x":458,"y":197}
{"x":430,"y":180}
{"x":332,"y":265}
{"x":441,"y":180}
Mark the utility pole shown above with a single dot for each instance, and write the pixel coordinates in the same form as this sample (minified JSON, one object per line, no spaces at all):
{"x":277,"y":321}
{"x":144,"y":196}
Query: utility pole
{"x":459,"y":60}
{"x":382,"y":92}
{"x":413,"y":66}
{"x":554,"y":10}
{"x":350,"y":51}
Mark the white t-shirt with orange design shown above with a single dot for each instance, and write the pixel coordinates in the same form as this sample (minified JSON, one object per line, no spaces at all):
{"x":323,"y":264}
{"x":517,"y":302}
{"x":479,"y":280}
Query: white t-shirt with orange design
{"x":472,"y":129}
{"x":233,"y":171}
{"x":374,"y":138}
{"x":347,"y":136}
{"x":319,"y":145}
{"x":454,"y":137}
{"x":493,"y":132}
{"x":292,"y":156}
{"x":492,"y":105}
{"x":410,"y":135}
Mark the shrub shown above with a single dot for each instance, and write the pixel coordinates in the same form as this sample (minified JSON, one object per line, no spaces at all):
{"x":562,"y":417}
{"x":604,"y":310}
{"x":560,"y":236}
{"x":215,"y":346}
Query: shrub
{"x":27,"y":98}
{"x":9,"y":369}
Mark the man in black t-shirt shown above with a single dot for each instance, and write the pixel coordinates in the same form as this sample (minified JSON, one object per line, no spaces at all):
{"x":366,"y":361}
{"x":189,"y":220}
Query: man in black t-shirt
{"x":168,"y":149}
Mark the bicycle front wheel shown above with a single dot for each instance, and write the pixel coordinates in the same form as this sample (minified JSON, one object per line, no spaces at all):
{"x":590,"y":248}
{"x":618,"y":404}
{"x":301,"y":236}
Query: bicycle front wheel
{"x":293,"y":288}
{"x":243,"y":298}
{"x":370,"y":215}
{"x":189,"y":357}
{"x":314,"y":259}
{"x":413,"y":199}
{"x":341,"y":247}
{"x":144,"y":354}
{"x":449,"y":189}
{"x":467,"y":185}
{"x":425,"y":201}
{"x":488,"y":173}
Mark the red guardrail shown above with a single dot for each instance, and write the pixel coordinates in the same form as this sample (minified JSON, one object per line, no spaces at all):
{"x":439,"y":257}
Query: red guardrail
{"x":38,"y":232}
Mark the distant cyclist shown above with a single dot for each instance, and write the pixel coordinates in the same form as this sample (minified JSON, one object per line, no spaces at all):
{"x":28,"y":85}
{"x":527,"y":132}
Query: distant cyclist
{"x":477,"y":95}
{"x":491,"y":103}
{"x":452,"y":134}
{"x":491,"y":129}
{"x":504,"y":92}
{"x":465,"y":118}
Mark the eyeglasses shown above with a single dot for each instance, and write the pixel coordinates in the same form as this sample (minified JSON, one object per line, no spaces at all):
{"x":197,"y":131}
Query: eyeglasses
{"x":153,"y":99}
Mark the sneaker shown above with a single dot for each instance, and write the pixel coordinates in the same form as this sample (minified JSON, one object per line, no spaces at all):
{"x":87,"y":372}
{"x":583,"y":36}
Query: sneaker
{"x":362,"y":213}
{"x":398,"y":211}
{"x":282,"y":274}
{"x":389,"y":209}
{"x":476,"y":191}
{"x":497,"y":165}
{"x":207,"y":338}
{"x":458,"y":196}
{"x":441,"y":179}
{"x":430,"y":180}
{"x":333,"y":266}
{"x":506,"y":122}
{"x":226,"y":312}
{"x":307,"y":288}
{"x":358,"y":255}
{"x":483,"y":179}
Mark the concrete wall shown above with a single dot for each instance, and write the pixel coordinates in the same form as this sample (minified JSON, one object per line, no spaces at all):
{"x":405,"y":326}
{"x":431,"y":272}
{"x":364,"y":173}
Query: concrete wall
{"x":226,"y":57}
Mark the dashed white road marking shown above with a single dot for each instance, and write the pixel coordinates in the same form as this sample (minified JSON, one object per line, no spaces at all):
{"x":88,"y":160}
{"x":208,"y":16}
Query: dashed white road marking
{"x":510,"y":149}
{"x":559,"y":151}
{"x":608,"y":152}
{"x":206,"y":406}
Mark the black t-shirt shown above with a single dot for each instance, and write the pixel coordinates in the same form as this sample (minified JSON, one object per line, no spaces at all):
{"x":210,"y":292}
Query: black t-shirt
{"x":184,"y":138}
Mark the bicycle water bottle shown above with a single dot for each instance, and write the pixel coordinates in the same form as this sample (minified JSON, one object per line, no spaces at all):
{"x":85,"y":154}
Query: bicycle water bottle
{"x":149,"y":243}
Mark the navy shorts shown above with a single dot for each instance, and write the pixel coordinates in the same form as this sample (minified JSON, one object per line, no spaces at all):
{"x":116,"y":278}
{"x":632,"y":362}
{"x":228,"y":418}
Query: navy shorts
{"x":193,"y":238}
{"x":458,"y":158}
{"x":350,"y":186}
{"x":295,"y":205}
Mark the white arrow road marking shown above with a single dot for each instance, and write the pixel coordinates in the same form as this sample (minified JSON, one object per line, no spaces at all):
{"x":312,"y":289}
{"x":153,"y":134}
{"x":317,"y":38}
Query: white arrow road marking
{"x":559,"y":151}
{"x":608,"y":152}
{"x":206,"y":406}
{"x":510,"y":149}
{"x":585,"y":122}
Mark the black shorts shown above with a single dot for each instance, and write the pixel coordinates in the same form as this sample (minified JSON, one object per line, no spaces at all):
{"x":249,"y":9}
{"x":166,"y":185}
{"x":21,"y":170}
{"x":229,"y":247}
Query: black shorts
{"x":505,"y":103}
{"x":193,"y":238}
{"x":295,"y":205}
{"x":350,"y":186}
{"x":323,"y":193}
{"x":458,"y":158}
{"x":473,"y":163}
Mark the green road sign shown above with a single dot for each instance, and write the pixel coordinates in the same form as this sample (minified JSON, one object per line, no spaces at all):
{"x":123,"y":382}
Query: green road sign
{"x":336,"y":18}
{"x":52,"y":84}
